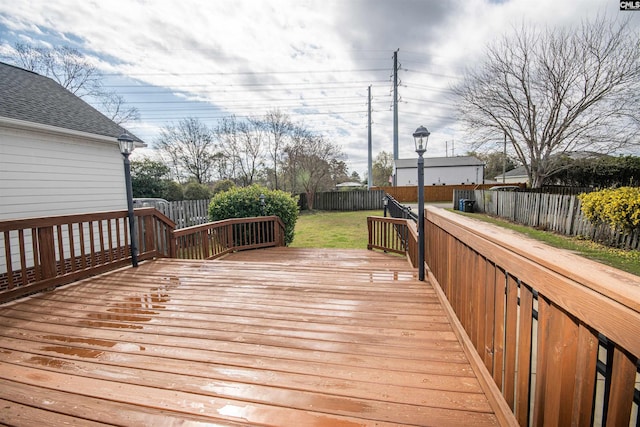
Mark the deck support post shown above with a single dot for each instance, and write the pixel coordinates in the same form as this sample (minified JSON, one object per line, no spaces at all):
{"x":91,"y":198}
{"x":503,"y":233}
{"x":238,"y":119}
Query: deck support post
{"x":421,"y":137}
{"x":126,"y":145}
{"x":132,"y":225}
{"x":420,"y":217}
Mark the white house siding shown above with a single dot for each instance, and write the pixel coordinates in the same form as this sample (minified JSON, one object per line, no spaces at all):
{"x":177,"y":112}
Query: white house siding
{"x":46,"y":174}
{"x":448,"y":175}
{"x":51,"y":173}
{"x":513,"y":180}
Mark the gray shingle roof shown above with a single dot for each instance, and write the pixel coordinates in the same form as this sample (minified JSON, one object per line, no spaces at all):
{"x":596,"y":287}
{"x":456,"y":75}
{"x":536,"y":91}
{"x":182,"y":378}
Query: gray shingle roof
{"x":518,"y":172}
{"x":28,"y":96}
{"x":432,"y":162}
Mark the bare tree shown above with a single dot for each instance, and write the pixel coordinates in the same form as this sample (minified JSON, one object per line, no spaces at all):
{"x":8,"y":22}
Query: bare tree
{"x":293,"y":152}
{"x":242,"y":146}
{"x":228,"y":134}
{"x":278,"y":127}
{"x":338,"y":171}
{"x":73,"y":71}
{"x":382,"y":169}
{"x":556,"y":90}
{"x":115,"y":107}
{"x":251,"y":149}
{"x":495,"y":162}
{"x":311,"y":162}
{"x":191,"y":147}
{"x":64,"y":64}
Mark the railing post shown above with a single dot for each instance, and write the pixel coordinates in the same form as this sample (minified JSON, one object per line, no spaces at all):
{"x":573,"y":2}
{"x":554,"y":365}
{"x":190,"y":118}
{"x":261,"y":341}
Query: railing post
{"x":173,"y":253}
{"x":47,"y":252}
{"x":230,"y":242}
{"x":149,"y":235}
{"x":385,"y":233}
{"x":275,"y":232}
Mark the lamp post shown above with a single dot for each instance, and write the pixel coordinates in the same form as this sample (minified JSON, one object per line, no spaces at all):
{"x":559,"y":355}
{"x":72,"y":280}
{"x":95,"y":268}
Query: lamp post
{"x":126,"y":147}
{"x":421,"y":137}
{"x":263,"y":205}
{"x":385,"y":204}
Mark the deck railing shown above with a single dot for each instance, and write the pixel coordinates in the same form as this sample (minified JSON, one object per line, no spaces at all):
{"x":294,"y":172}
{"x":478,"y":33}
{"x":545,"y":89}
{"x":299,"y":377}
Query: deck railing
{"x":398,"y":210}
{"x":212,"y":240}
{"x":39,"y":253}
{"x":558,"y":334}
{"x":395,"y":235}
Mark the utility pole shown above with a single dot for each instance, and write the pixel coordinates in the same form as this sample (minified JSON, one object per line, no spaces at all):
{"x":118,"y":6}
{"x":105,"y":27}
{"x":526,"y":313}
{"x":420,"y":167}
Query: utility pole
{"x":370,"y":175}
{"x":395,"y":111}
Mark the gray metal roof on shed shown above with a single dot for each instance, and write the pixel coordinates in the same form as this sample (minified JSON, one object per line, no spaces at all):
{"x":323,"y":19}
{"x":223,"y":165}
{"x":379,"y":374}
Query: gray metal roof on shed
{"x":28,"y":96}
{"x":431,"y":162}
{"x":518,"y":172}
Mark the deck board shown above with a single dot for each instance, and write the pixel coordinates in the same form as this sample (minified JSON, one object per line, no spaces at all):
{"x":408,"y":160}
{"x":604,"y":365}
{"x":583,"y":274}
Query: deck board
{"x":268,"y":337}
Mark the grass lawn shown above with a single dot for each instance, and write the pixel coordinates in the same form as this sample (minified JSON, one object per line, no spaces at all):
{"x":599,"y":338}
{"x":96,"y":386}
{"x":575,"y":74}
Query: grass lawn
{"x":628,"y":261}
{"x":330,"y":229}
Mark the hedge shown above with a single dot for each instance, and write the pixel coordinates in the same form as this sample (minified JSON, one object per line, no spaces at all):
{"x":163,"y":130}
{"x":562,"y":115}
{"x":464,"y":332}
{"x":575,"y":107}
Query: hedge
{"x":244,"y":202}
{"x":620,"y":207}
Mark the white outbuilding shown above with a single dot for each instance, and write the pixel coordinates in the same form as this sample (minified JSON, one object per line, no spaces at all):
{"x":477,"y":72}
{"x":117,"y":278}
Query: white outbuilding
{"x":466,"y":170}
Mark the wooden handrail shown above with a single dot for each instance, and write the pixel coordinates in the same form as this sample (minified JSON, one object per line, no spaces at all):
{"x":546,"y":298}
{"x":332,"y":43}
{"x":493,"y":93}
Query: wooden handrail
{"x":388,"y":234}
{"x":521,"y":301}
{"x":398,"y":210}
{"x":412,"y":244}
{"x":39,"y":253}
{"x":214,"y":239}
{"x":395,"y":235}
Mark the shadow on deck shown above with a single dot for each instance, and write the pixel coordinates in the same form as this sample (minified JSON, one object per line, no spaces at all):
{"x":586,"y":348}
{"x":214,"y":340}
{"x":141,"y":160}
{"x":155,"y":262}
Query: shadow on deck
{"x":281,"y":336}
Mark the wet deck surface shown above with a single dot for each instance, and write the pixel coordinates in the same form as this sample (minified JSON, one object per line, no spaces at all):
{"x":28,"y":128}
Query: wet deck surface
{"x":278,"y":337}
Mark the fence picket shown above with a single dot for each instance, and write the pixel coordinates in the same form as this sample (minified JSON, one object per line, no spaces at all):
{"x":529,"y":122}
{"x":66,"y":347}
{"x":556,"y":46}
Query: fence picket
{"x":356,"y":200}
{"x":555,"y":212}
{"x":187,"y":213}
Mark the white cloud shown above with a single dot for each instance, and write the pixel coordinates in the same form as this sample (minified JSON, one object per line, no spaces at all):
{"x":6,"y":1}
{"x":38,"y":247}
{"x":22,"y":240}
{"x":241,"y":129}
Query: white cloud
{"x":246,"y":56}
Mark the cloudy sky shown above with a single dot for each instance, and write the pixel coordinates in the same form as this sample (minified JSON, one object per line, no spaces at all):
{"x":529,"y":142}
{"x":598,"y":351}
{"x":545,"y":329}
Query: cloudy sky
{"x":312,"y":59}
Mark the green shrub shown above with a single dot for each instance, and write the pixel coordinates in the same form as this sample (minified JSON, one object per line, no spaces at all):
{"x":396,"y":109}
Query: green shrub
{"x":173,"y":192}
{"x":245,"y":203}
{"x":620,"y":207}
{"x":224,"y":185}
{"x":195,"y":191}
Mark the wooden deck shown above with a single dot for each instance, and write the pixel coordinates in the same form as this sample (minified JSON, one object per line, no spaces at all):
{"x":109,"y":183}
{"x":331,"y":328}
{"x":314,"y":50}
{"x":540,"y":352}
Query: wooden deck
{"x":277,"y":336}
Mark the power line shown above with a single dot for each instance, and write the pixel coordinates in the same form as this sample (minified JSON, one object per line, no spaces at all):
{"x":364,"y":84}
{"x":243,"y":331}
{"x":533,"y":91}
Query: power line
{"x":304,"y":100}
{"x":409,"y":70}
{"x":424,"y":87}
{"x":245,"y":73}
{"x":350,"y":82}
{"x":241,"y":113}
{"x":431,"y":102}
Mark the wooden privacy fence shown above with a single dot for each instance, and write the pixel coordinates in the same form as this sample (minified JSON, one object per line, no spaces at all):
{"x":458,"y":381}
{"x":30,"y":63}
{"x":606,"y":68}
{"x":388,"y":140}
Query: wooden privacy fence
{"x":354,"y":200}
{"x":186,"y":213}
{"x":358,"y":200}
{"x":432,"y":193}
{"x":553,"y":212}
{"x":557,"y":333}
{"x":40,"y":253}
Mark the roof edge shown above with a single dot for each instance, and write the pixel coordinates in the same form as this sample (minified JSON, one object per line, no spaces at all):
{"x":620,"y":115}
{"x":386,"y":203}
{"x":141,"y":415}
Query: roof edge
{"x":24,"y":124}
